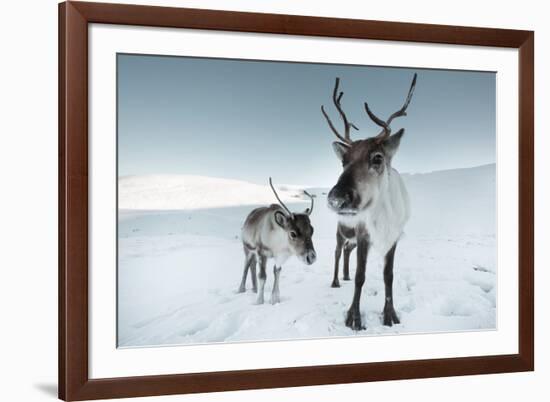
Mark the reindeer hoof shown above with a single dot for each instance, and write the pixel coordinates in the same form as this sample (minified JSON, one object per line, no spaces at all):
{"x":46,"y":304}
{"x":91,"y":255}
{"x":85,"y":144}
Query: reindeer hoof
{"x":390,"y":316}
{"x":255,"y":290}
{"x":353,"y":320}
{"x":242,"y":289}
{"x":347,"y":278}
{"x":260,"y":300}
{"x":335,"y":284}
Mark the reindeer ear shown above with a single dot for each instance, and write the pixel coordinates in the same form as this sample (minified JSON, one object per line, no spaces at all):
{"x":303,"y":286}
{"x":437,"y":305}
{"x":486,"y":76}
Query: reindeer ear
{"x":340,"y":149}
{"x":391,"y":144}
{"x":281,"y":218}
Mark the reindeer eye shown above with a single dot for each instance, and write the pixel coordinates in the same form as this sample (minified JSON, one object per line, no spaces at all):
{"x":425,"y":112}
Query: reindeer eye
{"x":293,"y":235}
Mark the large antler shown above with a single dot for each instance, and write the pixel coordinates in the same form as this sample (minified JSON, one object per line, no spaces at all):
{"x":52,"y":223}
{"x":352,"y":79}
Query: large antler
{"x":310,"y":209}
{"x":337,"y":98}
{"x":386,"y":129}
{"x":278,"y":199}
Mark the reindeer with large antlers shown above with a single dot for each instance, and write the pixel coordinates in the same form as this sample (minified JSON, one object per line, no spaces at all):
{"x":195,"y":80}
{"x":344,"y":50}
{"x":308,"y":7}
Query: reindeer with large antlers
{"x":371,"y":201}
{"x":275,"y":232}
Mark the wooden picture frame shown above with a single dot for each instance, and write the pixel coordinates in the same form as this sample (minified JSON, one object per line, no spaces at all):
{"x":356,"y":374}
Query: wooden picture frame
{"x":74,"y":381}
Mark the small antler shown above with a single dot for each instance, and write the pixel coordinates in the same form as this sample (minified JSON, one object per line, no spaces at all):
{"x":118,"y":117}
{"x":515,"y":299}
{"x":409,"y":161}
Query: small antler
{"x":337,"y":98}
{"x":386,"y":129}
{"x":278,"y":199}
{"x":310,"y":209}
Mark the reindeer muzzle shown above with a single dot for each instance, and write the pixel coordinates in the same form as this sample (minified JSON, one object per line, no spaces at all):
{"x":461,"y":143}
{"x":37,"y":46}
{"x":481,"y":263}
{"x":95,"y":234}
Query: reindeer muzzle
{"x":341,"y":200}
{"x":310,"y":257}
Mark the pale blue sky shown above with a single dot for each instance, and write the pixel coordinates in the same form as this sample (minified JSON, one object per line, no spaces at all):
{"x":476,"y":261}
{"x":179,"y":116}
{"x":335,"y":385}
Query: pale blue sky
{"x":253,"y":119}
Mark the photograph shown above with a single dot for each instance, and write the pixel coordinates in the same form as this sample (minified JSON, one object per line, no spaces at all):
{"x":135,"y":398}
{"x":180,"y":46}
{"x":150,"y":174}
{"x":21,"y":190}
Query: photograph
{"x":264,"y":200}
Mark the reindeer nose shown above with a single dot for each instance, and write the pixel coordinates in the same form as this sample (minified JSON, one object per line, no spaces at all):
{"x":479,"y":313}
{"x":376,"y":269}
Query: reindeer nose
{"x":339,"y":198}
{"x":311,"y":257}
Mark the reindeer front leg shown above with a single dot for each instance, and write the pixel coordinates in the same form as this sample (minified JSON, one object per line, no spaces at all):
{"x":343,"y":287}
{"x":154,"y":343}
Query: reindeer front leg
{"x":275,"y":295}
{"x":337,"y":254}
{"x":390,"y":316}
{"x":353,"y":319}
{"x":347,"y":252}
{"x":262,"y":276}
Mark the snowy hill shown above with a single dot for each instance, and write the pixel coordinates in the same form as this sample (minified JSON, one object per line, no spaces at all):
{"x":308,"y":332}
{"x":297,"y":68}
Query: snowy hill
{"x":176,"y":192}
{"x":458,"y":201}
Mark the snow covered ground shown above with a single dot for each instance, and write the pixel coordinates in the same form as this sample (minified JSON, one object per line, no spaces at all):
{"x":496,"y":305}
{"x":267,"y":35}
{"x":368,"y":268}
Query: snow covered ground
{"x":180,"y":263}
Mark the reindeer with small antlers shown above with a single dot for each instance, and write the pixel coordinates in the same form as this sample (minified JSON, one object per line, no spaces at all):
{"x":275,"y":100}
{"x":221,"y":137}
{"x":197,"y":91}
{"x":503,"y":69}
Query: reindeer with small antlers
{"x":275,"y":232}
{"x":371,"y":201}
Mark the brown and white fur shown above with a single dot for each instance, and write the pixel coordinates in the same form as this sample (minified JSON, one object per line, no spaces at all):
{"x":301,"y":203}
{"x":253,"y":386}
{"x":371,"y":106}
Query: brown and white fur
{"x":371,"y":201}
{"x":275,"y":233}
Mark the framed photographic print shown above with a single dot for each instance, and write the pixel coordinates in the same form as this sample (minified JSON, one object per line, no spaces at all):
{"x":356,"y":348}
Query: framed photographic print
{"x":258,"y":200}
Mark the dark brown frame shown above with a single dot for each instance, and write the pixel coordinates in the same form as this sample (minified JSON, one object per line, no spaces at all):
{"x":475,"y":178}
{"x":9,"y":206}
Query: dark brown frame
{"x":74,"y":383}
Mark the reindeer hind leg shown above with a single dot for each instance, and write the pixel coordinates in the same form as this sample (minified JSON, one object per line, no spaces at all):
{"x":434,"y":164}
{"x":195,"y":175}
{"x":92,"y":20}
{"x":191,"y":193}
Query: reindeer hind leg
{"x":253,"y":274}
{"x":248,"y":256}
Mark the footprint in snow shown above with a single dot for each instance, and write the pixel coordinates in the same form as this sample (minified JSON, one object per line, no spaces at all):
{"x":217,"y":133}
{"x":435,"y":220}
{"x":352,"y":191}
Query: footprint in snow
{"x":484,"y":280}
{"x":479,"y":268}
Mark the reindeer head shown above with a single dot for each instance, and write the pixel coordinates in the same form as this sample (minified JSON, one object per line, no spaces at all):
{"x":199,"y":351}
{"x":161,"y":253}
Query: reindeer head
{"x":366,"y":163}
{"x":298,"y":229}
